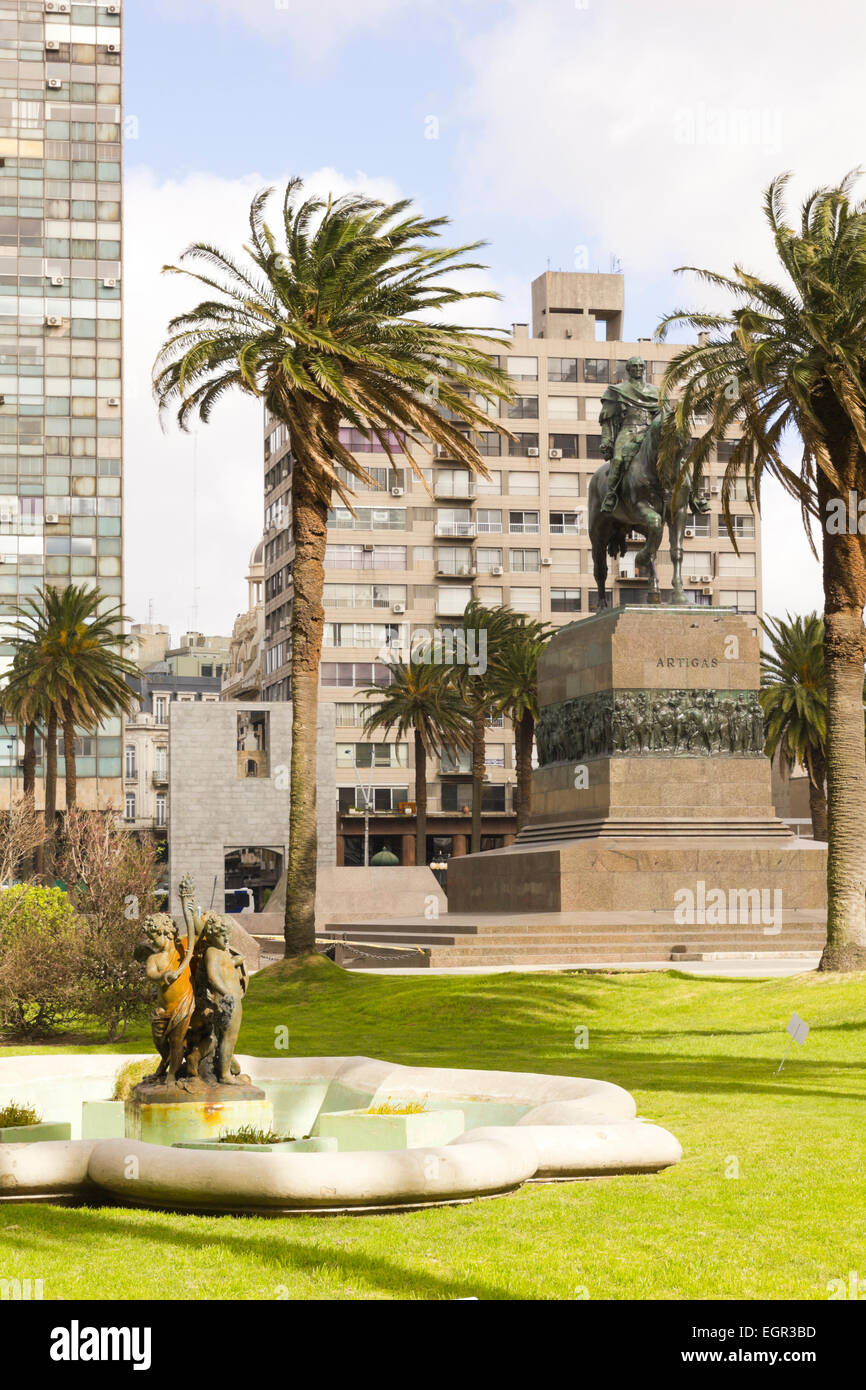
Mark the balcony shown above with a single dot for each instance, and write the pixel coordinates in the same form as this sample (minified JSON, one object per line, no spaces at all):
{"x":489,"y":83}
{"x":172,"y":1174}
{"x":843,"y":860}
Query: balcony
{"x":456,"y":571}
{"x":454,"y":491}
{"x":455,"y":530}
{"x":159,"y":779}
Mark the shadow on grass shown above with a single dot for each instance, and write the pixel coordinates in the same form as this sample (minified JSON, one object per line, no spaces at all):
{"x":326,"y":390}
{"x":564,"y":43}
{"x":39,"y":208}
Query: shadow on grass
{"x":69,"y":1228}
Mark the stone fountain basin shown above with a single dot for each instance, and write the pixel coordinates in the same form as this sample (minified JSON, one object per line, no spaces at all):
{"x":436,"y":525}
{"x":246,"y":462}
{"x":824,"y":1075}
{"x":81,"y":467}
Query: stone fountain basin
{"x":519,"y":1127}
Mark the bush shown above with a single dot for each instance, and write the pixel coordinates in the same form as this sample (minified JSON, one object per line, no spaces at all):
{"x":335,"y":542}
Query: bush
{"x":42,"y":960}
{"x":14,"y":1116}
{"x":112,"y":878}
{"x":130,"y":1075}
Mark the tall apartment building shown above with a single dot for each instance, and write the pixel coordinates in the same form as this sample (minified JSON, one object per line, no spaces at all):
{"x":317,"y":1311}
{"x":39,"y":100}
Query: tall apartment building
{"x":411,"y":560}
{"x":60,"y":327}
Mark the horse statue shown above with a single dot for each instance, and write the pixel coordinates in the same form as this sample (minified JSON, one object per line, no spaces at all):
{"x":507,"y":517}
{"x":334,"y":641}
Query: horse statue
{"x":644,"y":504}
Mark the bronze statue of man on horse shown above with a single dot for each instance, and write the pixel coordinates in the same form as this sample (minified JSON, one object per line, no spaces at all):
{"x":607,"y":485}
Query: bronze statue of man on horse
{"x":627,"y":492}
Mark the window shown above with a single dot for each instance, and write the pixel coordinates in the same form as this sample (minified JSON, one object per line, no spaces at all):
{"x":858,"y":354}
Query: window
{"x":564,"y":484}
{"x":592,"y":407}
{"x":488,"y":521}
{"x":130,"y":768}
{"x":455,"y":760}
{"x":725,"y":449}
{"x":364,"y":595}
{"x":523,"y":484}
{"x":160,"y":708}
{"x":565,"y":523}
{"x":161,"y":761}
{"x":451,"y":601}
{"x":453,"y":559}
{"x":565,"y":561}
{"x":518,"y":446}
{"x":376,"y":635}
{"x":743,"y":600}
{"x":744,"y":527}
{"x":487,"y":558}
{"x":160,"y":808}
{"x":491,"y":597}
{"x":252,"y":743}
{"x":523,"y":523}
{"x":697,"y":562}
{"x":129,"y":809}
{"x":488,"y":443}
{"x":562,"y":369}
{"x":368,"y":518}
{"x":699,"y":524}
{"x":489,"y":487}
{"x":526,"y":600}
{"x":562,"y":408}
{"x":523,"y":560}
{"x":207,"y":670}
{"x":356,"y":673}
{"x":494,"y":755}
{"x":522,"y":368}
{"x":454,"y":521}
{"x":593,"y":446}
{"x":356,"y":443}
{"x":565,"y":600}
{"x":523,"y":408}
{"x":565,"y":443}
{"x":453,"y":482}
{"x":596,"y":369}
{"x":730,"y":564}
{"x":372,"y":755}
{"x":383,"y":798}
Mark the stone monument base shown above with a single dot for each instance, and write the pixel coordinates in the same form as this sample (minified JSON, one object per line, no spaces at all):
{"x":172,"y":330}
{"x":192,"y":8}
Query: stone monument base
{"x":159,"y":1114}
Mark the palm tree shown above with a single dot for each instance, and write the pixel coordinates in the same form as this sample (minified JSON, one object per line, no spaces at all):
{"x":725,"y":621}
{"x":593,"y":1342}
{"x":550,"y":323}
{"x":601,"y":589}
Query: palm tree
{"x":69,"y":668}
{"x":326,"y":331}
{"x":424,"y":699}
{"x":792,"y":357}
{"x":794,"y":700}
{"x":483,"y":630}
{"x":514,"y":682}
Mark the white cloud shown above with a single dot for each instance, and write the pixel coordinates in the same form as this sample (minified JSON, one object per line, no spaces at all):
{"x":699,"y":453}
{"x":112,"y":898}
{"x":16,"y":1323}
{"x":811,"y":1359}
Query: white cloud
{"x":161,"y":219}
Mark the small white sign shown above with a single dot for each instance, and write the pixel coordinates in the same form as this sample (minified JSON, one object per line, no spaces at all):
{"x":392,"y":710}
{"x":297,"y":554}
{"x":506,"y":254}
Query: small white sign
{"x":797,"y":1028}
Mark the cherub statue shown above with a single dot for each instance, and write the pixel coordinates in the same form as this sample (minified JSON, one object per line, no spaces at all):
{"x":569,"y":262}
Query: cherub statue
{"x":167,"y":958}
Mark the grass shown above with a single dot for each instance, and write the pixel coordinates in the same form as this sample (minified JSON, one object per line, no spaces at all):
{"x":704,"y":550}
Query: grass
{"x":14,"y":1116}
{"x":765,"y":1203}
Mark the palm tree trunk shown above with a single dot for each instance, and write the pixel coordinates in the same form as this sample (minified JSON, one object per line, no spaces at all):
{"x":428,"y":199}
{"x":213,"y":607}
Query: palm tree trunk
{"x":50,"y":789}
{"x":420,"y":800}
{"x":310,"y":529}
{"x":30,"y":760}
{"x":844,"y":651}
{"x":478,"y":770}
{"x":524,"y":732}
{"x":818,"y":796}
{"x":69,"y":760}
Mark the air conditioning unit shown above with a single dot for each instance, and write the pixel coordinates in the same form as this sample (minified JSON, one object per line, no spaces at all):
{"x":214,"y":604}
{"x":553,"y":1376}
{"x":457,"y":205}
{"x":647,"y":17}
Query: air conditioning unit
{"x":54,"y":84}
{"x":369,"y":549}
{"x":52,"y":46}
{"x":398,"y":608}
{"x":52,"y":518}
{"x":706,"y":579}
{"x":53,"y":321}
{"x":112,"y":9}
{"x":689,"y":531}
{"x":112,"y":48}
{"x":496,"y":569}
{"x":554,"y":453}
{"x":114,"y":400}
{"x":546,"y":560}
{"x":532,"y":453}
{"x":694,"y":579}
{"x":59,"y":8}
{"x":109,"y":284}
{"x":706,"y":591}
{"x":397,"y":491}
{"x":57,"y":281}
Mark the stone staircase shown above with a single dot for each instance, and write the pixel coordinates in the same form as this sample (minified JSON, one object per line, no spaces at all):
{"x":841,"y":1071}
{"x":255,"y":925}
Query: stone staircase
{"x":570,"y":939}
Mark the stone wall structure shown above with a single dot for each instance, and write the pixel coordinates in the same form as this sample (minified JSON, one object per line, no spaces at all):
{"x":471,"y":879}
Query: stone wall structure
{"x":215,"y":809}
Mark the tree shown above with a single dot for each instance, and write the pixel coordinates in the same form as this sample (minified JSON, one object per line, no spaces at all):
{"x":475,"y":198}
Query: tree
{"x":514,"y":682}
{"x":794,"y":700}
{"x":42,"y":953}
{"x":483,"y":630}
{"x":22,"y":834}
{"x":69,"y":668}
{"x":422,"y":699}
{"x":111,"y":879}
{"x":326,"y":331}
{"x":791,"y":359}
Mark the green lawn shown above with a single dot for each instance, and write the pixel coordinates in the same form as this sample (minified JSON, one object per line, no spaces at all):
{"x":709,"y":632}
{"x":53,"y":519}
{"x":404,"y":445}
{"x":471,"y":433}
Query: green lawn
{"x":766,"y":1203}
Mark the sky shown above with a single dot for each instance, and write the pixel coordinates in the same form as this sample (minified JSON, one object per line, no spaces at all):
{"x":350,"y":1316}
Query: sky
{"x":565,"y":133}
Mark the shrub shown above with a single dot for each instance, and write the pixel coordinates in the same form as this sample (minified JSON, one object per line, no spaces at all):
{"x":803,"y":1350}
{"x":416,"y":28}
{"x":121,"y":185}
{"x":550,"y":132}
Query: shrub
{"x":42,"y":960}
{"x":130,"y":1075}
{"x":248,"y":1134}
{"x":112,"y":881}
{"x":13,"y":1116}
{"x":411,"y":1107}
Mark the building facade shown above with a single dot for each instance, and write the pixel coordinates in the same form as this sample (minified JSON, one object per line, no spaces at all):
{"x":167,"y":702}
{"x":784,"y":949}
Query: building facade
{"x":242,"y":676}
{"x":413,"y":556}
{"x":60,"y":328}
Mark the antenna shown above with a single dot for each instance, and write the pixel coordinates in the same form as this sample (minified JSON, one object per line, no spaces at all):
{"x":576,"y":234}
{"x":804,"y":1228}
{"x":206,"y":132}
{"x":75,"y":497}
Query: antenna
{"x":194,"y":622}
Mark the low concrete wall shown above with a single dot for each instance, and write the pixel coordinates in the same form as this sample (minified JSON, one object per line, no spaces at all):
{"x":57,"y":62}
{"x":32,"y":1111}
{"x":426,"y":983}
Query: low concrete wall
{"x":358,"y":895}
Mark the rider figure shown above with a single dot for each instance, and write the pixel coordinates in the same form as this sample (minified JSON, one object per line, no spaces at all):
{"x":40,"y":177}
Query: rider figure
{"x":627,"y":410}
